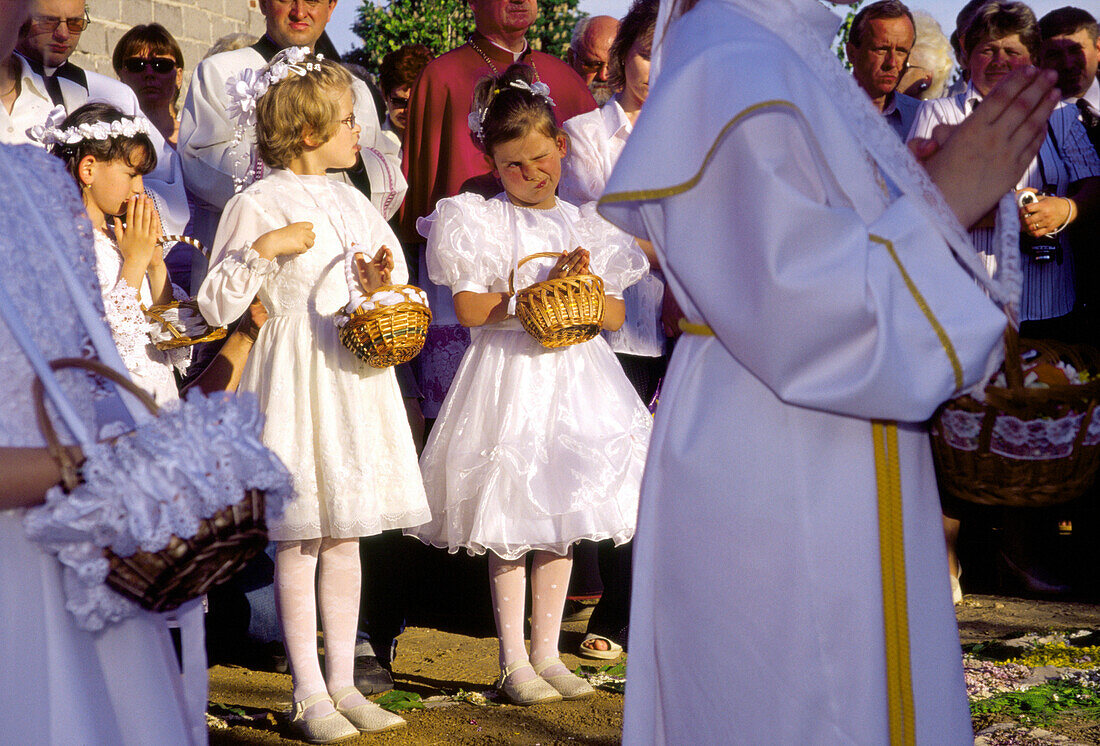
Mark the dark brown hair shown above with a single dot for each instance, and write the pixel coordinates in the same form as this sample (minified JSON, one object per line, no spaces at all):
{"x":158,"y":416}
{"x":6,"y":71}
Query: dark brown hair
{"x":136,"y":151}
{"x":509,"y":112}
{"x":149,"y":38}
{"x":403,"y":66}
{"x":888,"y":9}
{"x":639,"y":23}
{"x":1068,"y":21}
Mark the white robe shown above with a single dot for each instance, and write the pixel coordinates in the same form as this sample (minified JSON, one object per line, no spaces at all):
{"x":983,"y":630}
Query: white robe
{"x":764,"y":608}
{"x":165,"y":182}
{"x":212,"y":156}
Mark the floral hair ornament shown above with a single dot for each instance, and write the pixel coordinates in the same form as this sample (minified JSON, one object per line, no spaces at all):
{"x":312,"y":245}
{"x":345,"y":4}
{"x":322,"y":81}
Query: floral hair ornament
{"x":51,"y":132}
{"x":477,"y":117}
{"x":245,"y":88}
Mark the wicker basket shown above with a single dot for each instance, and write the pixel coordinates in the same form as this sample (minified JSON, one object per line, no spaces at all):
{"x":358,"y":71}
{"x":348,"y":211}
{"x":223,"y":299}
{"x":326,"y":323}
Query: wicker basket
{"x":179,"y":339}
{"x":560,"y":312}
{"x":387,"y":335}
{"x":985,"y":468}
{"x":186,"y":568}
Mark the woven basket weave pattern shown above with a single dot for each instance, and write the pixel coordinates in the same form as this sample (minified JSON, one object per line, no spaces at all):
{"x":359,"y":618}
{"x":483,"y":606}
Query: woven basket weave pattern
{"x":178,"y":338}
{"x":990,"y":478}
{"x":387,"y":335}
{"x":563,"y":311}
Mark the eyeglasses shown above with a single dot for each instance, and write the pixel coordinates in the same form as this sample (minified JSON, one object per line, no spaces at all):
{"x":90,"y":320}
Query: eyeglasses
{"x":159,"y":65}
{"x":399,"y":102}
{"x":49,"y":24}
{"x":307,"y":3}
{"x":593,"y":66}
{"x":349,"y":121}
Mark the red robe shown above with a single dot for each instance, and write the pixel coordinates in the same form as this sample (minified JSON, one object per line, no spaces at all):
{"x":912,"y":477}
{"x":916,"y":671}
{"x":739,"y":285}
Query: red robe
{"x":439,"y":153}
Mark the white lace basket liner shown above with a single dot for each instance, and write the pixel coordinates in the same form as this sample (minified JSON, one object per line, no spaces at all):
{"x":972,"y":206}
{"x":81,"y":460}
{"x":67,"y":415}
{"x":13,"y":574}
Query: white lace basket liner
{"x":179,"y":323}
{"x":155,"y":488}
{"x":1022,"y":446}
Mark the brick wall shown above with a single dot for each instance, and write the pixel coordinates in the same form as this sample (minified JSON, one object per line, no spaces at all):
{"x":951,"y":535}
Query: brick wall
{"x":196,"y":24}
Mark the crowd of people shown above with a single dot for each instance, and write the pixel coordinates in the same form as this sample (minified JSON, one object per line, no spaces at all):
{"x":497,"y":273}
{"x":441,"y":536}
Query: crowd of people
{"x":824,"y":250}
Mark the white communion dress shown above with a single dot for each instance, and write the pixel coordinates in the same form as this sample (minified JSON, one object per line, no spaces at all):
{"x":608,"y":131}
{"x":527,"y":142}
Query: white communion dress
{"x":338,"y":424}
{"x":534,"y":448}
{"x":150,"y":368}
{"x":61,"y":684}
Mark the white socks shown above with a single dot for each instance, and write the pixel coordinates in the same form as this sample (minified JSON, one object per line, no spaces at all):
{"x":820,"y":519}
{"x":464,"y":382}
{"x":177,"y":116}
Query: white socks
{"x":508,"y":582}
{"x":297,"y":589}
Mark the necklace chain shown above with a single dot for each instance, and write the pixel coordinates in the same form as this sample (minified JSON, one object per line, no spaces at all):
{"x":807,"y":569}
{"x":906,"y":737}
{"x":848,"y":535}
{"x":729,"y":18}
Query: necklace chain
{"x":489,"y":62}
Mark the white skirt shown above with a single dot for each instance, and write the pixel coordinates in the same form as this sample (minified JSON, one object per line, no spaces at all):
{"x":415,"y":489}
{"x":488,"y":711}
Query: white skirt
{"x":534,"y":448}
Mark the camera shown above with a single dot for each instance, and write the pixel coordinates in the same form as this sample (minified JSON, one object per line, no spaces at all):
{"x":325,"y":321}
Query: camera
{"x":1045,"y":248}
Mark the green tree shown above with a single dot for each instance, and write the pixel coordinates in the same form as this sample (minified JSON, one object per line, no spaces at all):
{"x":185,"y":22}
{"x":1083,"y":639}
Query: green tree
{"x":442,"y":25}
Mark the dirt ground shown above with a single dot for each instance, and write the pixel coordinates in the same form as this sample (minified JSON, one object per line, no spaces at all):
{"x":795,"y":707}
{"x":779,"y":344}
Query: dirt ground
{"x":431,"y":663}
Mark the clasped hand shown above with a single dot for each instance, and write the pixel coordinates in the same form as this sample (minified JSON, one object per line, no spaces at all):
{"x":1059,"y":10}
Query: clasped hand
{"x":139,"y":239}
{"x":375,"y":273}
{"x":571,"y":263}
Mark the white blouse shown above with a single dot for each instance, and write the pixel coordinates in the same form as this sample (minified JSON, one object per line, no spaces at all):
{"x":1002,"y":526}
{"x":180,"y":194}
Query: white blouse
{"x":596,"y":139}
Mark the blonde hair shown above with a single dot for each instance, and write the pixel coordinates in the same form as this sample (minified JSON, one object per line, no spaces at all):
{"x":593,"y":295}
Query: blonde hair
{"x":932,"y":51}
{"x":299,"y":106}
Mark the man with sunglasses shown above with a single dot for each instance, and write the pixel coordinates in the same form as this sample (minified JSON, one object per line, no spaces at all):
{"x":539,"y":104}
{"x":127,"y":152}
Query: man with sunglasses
{"x":213,"y":156}
{"x":46,"y":41}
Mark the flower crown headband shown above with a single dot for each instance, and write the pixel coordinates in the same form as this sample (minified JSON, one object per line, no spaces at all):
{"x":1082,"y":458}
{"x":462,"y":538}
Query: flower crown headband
{"x":477,"y":117}
{"x":51,"y":132}
{"x":246,"y":88}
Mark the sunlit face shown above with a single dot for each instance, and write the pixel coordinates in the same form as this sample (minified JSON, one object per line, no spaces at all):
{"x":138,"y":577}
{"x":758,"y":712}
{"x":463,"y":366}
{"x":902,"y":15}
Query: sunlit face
{"x":108,"y":185}
{"x":397,"y":105}
{"x":992,"y":60}
{"x":154,"y":89}
{"x":636,"y":74}
{"x":503,"y":16}
{"x":340,"y":150}
{"x":1075,"y":57}
{"x":879,"y":60}
{"x":590,"y":58}
{"x":51,"y":47}
{"x":296,"y":23}
{"x":529,"y":167}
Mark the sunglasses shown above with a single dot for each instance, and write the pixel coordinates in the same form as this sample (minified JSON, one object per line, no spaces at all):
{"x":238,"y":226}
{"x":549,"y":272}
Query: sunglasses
{"x":399,"y":102}
{"x":141,"y":64}
{"x":49,"y":24}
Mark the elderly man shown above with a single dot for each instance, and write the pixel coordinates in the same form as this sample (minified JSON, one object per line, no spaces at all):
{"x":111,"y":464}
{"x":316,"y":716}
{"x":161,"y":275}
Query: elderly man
{"x":589,"y":54}
{"x":879,"y":44}
{"x":213,"y":159}
{"x":1071,"y":47}
{"x":46,"y":41}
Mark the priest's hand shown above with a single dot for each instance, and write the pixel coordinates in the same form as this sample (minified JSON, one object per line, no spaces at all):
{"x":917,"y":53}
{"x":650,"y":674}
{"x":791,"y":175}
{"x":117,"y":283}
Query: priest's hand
{"x":981,"y":160}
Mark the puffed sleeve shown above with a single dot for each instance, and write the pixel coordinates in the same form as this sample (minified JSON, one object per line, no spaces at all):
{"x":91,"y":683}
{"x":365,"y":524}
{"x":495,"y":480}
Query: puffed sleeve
{"x":582,"y":169}
{"x":465,"y":251}
{"x":871,"y":320}
{"x":616,"y":257}
{"x":236,"y":271}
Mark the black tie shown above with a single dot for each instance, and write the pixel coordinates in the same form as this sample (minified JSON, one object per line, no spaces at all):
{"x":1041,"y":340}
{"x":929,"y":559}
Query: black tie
{"x":53,"y":87}
{"x":1091,"y":120}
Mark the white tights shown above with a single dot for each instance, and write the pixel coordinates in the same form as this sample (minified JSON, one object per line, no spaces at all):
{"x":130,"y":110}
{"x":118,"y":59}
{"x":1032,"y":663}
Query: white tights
{"x":327,"y":570}
{"x":549,"y":583}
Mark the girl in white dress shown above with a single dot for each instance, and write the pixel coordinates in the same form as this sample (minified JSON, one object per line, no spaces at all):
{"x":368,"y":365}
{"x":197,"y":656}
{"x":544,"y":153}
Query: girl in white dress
{"x":535,"y":448}
{"x":339,"y":425}
{"x":108,"y":162}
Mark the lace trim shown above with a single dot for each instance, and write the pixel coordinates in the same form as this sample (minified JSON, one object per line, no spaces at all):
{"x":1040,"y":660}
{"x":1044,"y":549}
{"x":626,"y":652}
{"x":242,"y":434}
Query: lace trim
{"x":1028,"y":440}
{"x":160,"y":480}
{"x":248,"y":258}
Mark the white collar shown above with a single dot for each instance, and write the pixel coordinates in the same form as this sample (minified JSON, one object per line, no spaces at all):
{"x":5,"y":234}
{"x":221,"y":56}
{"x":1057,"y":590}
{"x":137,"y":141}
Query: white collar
{"x":969,"y":99}
{"x":615,"y":121}
{"x":1092,"y":95}
{"x":515,"y":55}
{"x":29,"y":79}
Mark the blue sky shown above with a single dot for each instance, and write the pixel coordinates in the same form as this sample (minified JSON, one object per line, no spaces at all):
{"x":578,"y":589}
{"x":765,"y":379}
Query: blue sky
{"x":942,"y":10}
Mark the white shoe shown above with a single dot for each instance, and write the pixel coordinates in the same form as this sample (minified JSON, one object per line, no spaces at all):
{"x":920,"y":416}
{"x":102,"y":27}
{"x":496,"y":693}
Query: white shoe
{"x":956,"y":589}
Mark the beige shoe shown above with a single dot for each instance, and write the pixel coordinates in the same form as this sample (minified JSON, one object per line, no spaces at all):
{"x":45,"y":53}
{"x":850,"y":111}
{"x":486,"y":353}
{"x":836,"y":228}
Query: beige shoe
{"x":325,"y":729}
{"x":533,"y":692}
{"x":568,"y":685}
{"x":367,"y":717}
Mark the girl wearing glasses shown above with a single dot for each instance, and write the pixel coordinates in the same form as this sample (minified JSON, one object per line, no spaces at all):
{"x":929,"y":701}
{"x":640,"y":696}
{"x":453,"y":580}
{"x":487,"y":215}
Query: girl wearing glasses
{"x":338,"y":425}
{"x":149,"y":60}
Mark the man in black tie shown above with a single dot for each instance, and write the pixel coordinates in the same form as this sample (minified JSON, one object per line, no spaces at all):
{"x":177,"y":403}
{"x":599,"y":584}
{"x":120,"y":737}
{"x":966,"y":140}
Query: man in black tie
{"x":46,"y":41}
{"x":1071,"y":48}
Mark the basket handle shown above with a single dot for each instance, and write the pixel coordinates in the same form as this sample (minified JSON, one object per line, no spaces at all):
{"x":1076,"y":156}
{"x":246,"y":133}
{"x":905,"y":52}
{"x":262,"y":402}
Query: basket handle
{"x":69,"y":476}
{"x":524,"y":260}
{"x":1014,"y":368}
{"x":192,"y":242}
